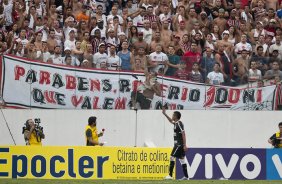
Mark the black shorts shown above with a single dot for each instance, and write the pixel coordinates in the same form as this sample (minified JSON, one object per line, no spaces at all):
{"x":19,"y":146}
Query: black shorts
{"x":144,"y":102}
{"x":178,"y":151}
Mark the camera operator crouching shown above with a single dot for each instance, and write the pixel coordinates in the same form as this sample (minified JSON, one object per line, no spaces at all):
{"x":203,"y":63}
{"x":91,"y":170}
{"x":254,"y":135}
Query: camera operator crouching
{"x":33,"y":132}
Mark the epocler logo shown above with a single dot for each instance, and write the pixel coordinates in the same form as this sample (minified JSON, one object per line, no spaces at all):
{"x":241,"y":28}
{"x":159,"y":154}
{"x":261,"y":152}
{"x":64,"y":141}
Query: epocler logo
{"x":57,"y":166}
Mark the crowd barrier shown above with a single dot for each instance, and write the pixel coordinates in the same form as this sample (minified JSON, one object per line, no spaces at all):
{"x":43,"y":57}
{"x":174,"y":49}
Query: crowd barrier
{"x":31,"y":84}
{"x":36,"y":162}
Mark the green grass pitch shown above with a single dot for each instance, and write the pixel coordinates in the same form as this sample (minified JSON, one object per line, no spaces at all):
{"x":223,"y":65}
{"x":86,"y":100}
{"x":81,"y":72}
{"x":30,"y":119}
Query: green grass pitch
{"x":35,"y":181}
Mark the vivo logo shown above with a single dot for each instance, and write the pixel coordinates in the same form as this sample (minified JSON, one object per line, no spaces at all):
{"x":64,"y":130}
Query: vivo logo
{"x":231,"y":164}
{"x":278,"y":165}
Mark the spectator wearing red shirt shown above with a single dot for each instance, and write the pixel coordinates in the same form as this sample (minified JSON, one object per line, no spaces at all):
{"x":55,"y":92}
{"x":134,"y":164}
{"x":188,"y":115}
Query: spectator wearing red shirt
{"x":191,"y":57}
{"x":181,"y":73}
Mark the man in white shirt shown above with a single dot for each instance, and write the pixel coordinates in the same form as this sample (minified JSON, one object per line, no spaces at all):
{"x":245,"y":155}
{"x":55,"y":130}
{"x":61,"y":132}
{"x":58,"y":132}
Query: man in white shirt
{"x":111,"y":38}
{"x":70,"y":43}
{"x":276,"y":46}
{"x":215,"y":77}
{"x":243,"y":45}
{"x":254,"y":73}
{"x":114,"y":62}
{"x":69,"y":22}
{"x":138,"y":20}
{"x":166,"y":15}
{"x":74,"y":60}
{"x":101,"y":27}
{"x":147,"y":32}
{"x":56,"y":57}
{"x":100,"y":58}
{"x":22,"y":39}
{"x":7,"y":11}
{"x":114,"y":13}
{"x":158,"y":60}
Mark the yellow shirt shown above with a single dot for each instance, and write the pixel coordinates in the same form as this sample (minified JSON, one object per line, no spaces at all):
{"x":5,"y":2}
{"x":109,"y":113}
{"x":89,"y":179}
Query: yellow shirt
{"x":94,"y":135}
{"x":33,"y":140}
{"x":278,"y":135}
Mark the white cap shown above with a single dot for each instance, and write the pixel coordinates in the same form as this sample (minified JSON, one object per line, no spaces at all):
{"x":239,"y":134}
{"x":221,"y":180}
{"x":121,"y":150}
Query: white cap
{"x":121,"y":33}
{"x":70,"y":18}
{"x":67,"y":48}
{"x":109,"y":30}
{"x":225,"y":32}
{"x":102,"y":44}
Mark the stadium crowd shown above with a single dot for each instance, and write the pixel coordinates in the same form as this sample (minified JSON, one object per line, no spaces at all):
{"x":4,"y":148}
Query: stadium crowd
{"x":229,"y":42}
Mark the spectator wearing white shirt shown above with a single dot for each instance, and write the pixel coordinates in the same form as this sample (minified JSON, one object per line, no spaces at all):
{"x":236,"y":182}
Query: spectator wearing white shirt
{"x":131,"y":8}
{"x":215,"y":77}
{"x":166,"y":15}
{"x":99,"y":13}
{"x":101,"y":3}
{"x":70,"y":43}
{"x":74,"y":60}
{"x":114,"y":62}
{"x":138,"y":20}
{"x":7,"y":11}
{"x":243,"y":45}
{"x":45,"y":52}
{"x":115,"y":25}
{"x":111,"y":38}
{"x":100,"y":26}
{"x":22,"y":39}
{"x":69,"y":27}
{"x":110,"y":18}
{"x":100,"y":58}
{"x":147,"y":32}
{"x":158,"y":60}
{"x":276,"y":46}
{"x":254,"y":73}
{"x":56,"y":57}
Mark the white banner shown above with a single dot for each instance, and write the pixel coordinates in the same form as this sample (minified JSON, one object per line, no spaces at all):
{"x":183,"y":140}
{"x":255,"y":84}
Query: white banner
{"x":30,"y":84}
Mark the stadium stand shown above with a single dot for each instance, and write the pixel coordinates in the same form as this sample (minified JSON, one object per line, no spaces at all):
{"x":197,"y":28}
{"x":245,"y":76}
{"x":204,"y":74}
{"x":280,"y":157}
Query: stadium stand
{"x":220,"y":42}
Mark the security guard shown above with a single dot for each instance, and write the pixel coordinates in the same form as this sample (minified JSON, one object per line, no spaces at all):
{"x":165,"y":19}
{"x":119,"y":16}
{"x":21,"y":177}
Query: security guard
{"x":92,"y":137}
{"x":276,"y":139}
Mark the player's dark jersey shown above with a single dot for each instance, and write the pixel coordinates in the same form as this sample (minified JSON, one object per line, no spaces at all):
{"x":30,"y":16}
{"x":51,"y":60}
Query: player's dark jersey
{"x":178,"y":129}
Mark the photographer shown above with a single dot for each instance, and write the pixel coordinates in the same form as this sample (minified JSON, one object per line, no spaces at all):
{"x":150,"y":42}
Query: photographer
{"x":276,"y":139}
{"x":91,"y":133}
{"x":33,"y":132}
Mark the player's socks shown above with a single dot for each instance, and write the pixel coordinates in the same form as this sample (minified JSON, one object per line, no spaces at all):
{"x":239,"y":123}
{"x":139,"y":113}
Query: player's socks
{"x":171,"y":167}
{"x":184,"y":167}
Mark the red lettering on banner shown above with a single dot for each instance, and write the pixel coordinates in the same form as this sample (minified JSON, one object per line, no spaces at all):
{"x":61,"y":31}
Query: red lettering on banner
{"x":75,"y":102}
{"x":120,"y":103}
{"x":44,"y":77}
{"x":95,"y":85}
{"x":259,"y":95}
{"x":71,"y":82}
{"x":95,"y":102}
{"x":135,"y":85}
{"x":172,"y":106}
{"x":49,"y":96}
{"x":234,"y":96}
{"x":210,"y":96}
{"x":184,"y":94}
{"x":19,"y":72}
